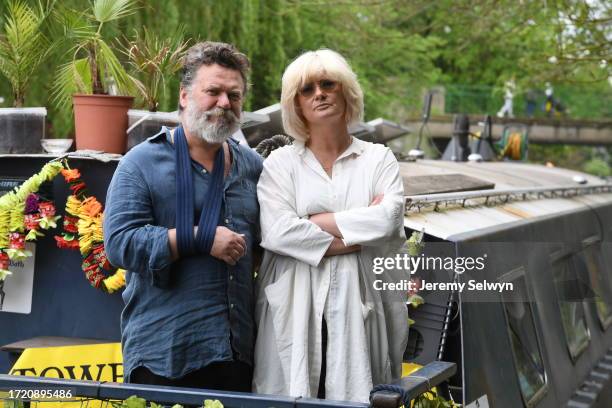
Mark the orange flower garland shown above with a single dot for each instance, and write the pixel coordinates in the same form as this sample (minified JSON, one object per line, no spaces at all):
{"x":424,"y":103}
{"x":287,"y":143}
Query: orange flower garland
{"x":83,"y":231}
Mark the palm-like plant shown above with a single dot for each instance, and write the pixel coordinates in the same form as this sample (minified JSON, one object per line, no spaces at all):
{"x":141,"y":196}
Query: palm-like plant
{"x":153,"y":59}
{"x":94,"y":65}
{"x":23,"y":46}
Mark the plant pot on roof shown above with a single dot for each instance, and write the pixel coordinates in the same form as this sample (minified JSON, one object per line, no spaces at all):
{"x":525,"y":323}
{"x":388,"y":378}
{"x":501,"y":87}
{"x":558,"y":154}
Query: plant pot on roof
{"x":23,"y":47}
{"x":152,"y":60}
{"x":100,"y":119}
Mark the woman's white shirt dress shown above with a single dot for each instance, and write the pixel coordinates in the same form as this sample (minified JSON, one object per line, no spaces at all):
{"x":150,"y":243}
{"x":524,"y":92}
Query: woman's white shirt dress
{"x":297,"y":286}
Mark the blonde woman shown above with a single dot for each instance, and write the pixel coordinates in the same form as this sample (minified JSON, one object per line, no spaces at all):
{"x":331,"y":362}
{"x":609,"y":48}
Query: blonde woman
{"x":330,"y":204}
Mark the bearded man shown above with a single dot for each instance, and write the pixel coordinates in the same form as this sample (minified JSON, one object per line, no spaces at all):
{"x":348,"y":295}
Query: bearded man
{"x":182,"y":218}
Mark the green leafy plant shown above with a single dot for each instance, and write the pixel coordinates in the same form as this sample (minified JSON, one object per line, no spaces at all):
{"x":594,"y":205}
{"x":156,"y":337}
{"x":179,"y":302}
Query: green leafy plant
{"x":10,"y":402}
{"x":415,"y":243}
{"x":431,"y":399}
{"x":137,"y":402}
{"x":23,"y":45}
{"x":212,"y":404}
{"x":597,"y":167}
{"x":153,"y":59}
{"x":415,"y":246}
{"x":133,"y":402}
{"x":94,"y":67}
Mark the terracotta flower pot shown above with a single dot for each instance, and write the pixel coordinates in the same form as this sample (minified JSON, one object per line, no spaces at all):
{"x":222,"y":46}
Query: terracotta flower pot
{"x":101,"y":122}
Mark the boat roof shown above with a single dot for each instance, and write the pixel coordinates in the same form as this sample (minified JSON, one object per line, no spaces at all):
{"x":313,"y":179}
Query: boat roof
{"x":378,"y":130}
{"x":450,"y":199}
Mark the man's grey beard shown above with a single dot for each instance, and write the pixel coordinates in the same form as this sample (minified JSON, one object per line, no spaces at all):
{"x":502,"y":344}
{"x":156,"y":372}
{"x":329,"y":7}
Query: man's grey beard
{"x":198,"y":122}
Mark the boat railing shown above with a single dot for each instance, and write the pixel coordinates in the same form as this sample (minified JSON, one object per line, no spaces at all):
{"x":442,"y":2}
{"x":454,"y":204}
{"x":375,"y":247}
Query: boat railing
{"x":33,"y":389}
{"x":497,"y":197}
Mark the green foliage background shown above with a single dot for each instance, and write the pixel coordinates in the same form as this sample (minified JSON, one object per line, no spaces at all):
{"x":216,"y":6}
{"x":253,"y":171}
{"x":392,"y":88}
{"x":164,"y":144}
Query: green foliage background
{"x":398,"y":48}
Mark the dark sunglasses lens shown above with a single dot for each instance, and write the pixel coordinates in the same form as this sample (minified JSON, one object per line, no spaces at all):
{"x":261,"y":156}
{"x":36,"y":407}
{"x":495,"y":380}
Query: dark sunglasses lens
{"x":327,"y":85}
{"x":307,"y":90}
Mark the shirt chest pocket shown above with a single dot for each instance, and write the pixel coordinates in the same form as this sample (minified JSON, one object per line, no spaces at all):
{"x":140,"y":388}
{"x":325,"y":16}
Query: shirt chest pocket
{"x":242,"y":199}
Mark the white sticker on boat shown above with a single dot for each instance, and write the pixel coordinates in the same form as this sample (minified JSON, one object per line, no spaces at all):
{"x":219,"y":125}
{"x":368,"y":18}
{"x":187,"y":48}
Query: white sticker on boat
{"x":482,"y":402}
{"x":16,"y":290}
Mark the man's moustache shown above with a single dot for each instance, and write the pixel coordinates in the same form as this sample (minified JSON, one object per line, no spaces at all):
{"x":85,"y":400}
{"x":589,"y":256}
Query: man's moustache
{"x":220,"y":112}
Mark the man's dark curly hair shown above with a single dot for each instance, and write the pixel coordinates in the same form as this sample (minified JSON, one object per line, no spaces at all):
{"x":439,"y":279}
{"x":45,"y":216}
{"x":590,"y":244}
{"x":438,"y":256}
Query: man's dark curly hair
{"x":209,"y":53}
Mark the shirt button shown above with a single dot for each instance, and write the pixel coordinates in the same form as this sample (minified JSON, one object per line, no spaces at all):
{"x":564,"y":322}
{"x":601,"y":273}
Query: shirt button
{"x":231,"y":277}
{"x":227,"y":220}
{"x":231,"y":306}
{"x":204,"y":171}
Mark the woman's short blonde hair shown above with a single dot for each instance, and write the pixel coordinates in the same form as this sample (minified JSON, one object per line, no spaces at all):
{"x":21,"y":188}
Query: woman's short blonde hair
{"x":312,"y":65}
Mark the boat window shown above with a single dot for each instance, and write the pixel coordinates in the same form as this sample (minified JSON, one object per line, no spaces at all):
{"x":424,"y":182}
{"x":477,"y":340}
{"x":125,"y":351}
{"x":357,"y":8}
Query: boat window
{"x":523,"y":338}
{"x":592,"y":263}
{"x":570,"y":294}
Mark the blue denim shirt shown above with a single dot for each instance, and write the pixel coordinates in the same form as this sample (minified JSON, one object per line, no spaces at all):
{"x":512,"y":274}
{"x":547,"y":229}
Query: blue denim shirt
{"x":180,"y":316}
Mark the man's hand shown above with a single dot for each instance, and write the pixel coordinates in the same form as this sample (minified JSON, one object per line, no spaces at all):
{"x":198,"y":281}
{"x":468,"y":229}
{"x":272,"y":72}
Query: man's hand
{"x":228,"y":246}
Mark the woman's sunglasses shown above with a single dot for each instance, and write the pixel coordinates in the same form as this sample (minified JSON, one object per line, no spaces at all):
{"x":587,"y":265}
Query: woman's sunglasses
{"x":325,"y":85}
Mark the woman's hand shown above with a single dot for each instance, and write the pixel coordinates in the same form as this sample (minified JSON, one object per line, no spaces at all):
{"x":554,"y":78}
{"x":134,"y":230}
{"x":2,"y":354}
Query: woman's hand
{"x":337,"y":247}
{"x":327,"y":223}
{"x":377,"y":199}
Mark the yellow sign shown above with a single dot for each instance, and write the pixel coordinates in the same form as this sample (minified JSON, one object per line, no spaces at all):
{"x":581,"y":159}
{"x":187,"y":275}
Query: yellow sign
{"x":94,"y":362}
{"x":409,"y":368}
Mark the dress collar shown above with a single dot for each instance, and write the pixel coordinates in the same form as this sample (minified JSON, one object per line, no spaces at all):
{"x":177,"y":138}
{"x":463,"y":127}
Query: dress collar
{"x":356,"y":147}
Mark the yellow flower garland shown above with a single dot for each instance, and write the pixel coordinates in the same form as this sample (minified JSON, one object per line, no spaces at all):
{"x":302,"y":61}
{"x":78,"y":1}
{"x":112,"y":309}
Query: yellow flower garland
{"x":115,"y":282}
{"x":12,"y":206}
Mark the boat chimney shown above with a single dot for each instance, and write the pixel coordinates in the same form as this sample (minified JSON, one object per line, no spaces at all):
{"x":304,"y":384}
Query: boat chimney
{"x":458,"y":148}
